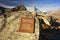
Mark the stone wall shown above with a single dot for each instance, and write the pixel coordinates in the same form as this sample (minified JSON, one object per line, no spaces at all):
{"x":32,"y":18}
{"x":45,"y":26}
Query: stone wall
{"x":10,"y":32}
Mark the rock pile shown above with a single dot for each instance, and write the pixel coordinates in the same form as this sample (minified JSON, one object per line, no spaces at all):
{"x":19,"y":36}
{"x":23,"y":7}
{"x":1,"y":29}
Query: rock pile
{"x":20,"y":8}
{"x":10,"y":32}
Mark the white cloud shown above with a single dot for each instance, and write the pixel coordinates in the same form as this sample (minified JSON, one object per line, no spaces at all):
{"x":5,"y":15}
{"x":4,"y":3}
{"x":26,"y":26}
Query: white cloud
{"x":5,"y":6}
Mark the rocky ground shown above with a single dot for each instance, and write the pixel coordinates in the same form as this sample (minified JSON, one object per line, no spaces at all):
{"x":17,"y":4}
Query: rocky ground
{"x":12,"y":24}
{"x":52,"y":32}
{"x":9,"y":27}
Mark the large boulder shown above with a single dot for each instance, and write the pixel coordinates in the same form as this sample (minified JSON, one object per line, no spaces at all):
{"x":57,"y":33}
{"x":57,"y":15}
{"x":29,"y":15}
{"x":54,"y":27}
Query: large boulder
{"x":11,"y":30}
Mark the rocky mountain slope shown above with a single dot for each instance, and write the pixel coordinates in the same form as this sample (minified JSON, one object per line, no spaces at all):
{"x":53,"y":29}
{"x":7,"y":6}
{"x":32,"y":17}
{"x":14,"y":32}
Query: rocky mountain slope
{"x":11,"y":30}
{"x":10,"y":22}
{"x":55,"y":13}
{"x":19,"y":8}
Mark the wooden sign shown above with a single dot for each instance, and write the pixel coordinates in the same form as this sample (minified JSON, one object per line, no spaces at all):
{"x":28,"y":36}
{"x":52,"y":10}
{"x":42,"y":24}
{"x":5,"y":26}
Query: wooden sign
{"x":27,"y":25}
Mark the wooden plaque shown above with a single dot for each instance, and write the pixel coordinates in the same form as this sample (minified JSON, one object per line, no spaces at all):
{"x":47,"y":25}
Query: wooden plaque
{"x":27,"y":25}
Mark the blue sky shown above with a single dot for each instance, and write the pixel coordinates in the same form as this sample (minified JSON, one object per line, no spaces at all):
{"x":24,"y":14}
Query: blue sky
{"x":44,"y":5}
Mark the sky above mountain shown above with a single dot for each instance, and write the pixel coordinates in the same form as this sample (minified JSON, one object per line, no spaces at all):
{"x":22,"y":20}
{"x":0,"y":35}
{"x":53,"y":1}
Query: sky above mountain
{"x":43,"y":5}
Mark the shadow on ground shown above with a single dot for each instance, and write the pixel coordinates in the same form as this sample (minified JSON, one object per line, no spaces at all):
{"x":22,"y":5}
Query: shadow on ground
{"x":49,"y":34}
